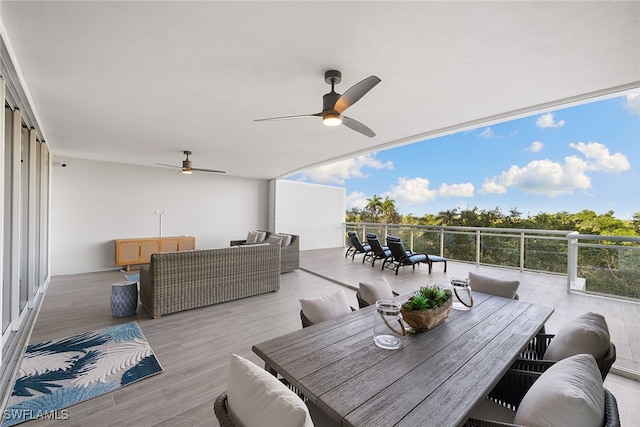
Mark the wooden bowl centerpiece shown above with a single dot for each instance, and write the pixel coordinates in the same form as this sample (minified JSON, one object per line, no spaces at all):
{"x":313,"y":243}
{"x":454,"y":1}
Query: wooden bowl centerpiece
{"x":428,"y":307}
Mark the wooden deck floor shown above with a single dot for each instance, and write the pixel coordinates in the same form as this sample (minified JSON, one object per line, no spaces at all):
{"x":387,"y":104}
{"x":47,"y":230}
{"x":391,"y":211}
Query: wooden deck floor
{"x":194,"y":346}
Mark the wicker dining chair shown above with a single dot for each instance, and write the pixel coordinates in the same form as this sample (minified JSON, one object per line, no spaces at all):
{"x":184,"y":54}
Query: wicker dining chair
{"x":512,"y":388}
{"x":220,"y":409}
{"x":532,"y":357}
{"x":306,"y":322}
{"x":362,"y":303}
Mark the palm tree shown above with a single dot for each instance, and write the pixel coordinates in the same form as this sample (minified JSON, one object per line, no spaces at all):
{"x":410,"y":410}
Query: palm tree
{"x":446,"y":217}
{"x":374,"y":207}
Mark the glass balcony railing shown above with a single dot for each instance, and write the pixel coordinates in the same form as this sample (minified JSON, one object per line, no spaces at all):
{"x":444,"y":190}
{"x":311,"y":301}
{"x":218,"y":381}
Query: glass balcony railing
{"x":604,"y":265}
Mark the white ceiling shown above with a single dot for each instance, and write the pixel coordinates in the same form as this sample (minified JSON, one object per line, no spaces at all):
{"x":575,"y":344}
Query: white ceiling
{"x":139,"y":82}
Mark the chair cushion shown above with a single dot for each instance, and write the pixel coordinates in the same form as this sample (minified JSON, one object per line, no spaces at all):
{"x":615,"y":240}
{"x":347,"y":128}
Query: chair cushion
{"x":326,"y":307}
{"x":376,"y":290}
{"x":274,"y":240}
{"x":415,"y":258}
{"x":252,"y":237}
{"x":490,"y":285}
{"x":587,"y":333}
{"x":286,"y":238}
{"x":569,"y":393}
{"x":257,"y":398}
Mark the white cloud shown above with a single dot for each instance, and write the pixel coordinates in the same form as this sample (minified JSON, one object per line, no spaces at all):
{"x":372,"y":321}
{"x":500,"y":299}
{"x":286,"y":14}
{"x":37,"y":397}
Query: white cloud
{"x":536,"y":146}
{"x":356,"y":199}
{"x":599,"y":158}
{"x":338,"y":172}
{"x":633,"y":103}
{"x":490,"y":186}
{"x":547,"y":121}
{"x":487,"y":133}
{"x":544,"y":177}
{"x":411,"y":190}
{"x":456,"y":190}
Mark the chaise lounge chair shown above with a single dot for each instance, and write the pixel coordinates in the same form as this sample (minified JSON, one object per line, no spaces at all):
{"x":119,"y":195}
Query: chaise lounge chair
{"x":401,"y":256}
{"x":357,"y":247}
{"x":379,"y":251}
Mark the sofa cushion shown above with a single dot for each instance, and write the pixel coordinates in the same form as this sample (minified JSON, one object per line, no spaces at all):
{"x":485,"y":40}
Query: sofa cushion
{"x":286,"y":238}
{"x":375,"y":290}
{"x":569,"y":393}
{"x":252,"y":237}
{"x":256,"y":236}
{"x":588,"y":333}
{"x":327,"y":307}
{"x":490,"y":285}
{"x":274,"y":240}
{"x":257,"y":398}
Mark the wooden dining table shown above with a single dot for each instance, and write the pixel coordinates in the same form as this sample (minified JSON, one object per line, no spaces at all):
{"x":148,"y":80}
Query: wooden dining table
{"x":436,"y":378}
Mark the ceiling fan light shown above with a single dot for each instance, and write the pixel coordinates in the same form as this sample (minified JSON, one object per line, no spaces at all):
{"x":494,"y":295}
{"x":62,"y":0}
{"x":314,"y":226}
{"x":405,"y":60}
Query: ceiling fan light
{"x":186,"y":171}
{"x":332,"y":119}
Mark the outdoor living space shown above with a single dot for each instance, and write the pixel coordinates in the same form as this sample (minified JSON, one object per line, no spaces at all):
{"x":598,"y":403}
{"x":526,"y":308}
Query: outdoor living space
{"x":194,"y":346}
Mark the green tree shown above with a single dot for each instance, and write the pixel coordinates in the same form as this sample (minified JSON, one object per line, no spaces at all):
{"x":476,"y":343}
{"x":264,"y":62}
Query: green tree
{"x":447,"y":217}
{"x":374,"y":208}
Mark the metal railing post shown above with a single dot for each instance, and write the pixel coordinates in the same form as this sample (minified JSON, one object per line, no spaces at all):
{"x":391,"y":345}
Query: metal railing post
{"x":442,"y":242}
{"x":522,"y":251}
{"x":477,"y":247}
{"x":572,"y":259}
{"x":411,"y":238}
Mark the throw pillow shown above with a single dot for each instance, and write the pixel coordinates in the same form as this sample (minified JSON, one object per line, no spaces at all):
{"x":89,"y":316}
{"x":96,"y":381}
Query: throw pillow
{"x":489,"y":285}
{"x":569,"y":393}
{"x":257,"y":398}
{"x":262,"y":235}
{"x":376,"y":290}
{"x":324,"y":308}
{"x":286,"y":238}
{"x":588,"y":333}
{"x":274,"y":240}
{"x":252,"y":237}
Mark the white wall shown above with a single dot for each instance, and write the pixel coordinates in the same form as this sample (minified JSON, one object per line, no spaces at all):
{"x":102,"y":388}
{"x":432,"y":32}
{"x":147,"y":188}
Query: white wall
{"x":93,"y":203}
{"x":315,"y":212}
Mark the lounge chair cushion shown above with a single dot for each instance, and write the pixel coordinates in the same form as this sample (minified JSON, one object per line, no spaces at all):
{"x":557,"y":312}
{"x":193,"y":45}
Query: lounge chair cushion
{"x":569,"y":393}
{"x":274,"y":240}
{"x":257,"y":398}
{"x":375,"y":290}
{"x":256,"y":236}
{"x":490,"y":285}
{"x":587,"y":333}
{"x":326,"y":307}
{"x":286,"y":238}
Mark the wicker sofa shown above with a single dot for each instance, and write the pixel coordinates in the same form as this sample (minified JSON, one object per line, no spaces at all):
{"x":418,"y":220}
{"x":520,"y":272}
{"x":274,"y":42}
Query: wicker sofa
{"x":290,"y":254}
{"x":177,"y":281}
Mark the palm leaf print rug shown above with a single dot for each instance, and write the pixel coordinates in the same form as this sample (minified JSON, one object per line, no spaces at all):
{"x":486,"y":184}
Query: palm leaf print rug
{"x":57,"y":374}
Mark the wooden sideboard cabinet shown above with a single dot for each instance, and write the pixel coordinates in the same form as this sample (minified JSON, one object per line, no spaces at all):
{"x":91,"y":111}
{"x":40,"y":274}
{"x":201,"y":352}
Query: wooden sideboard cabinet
{"x":138,"y":251}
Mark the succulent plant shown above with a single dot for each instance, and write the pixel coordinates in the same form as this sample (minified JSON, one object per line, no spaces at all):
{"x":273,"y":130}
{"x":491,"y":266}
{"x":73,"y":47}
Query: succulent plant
{"x":427,"y":297}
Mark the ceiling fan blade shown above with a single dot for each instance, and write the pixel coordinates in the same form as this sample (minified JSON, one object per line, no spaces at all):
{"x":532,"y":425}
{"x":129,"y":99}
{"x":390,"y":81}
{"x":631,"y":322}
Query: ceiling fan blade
{"x":355,"y":92}
{"x":207,"y":170}
{"x":171,"y":166}
{"x":288,"y":117}
{"x":357,"y":126}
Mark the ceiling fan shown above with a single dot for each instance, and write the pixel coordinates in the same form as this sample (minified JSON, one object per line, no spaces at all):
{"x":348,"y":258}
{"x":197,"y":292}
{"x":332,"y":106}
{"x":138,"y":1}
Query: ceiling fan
{"x":334,"y":104}
{"x":186,"y":165}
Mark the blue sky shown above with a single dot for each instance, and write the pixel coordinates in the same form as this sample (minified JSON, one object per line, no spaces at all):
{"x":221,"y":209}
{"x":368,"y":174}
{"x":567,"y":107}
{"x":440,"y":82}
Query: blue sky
{"x":581,"y":157}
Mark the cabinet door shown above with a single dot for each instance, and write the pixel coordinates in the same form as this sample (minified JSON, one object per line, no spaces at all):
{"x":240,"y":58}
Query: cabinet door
{"x":187,"y":244}
{"x":169,"y":245}
{"x":147,"y":248}
{"x":126,"y":253}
